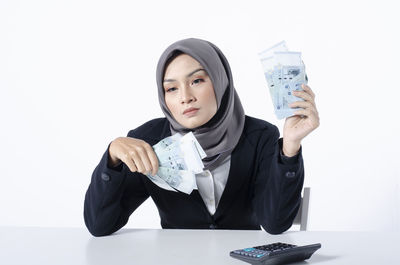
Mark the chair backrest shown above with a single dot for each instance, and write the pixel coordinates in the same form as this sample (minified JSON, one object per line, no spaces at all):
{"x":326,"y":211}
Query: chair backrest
{"x":302,"y":215}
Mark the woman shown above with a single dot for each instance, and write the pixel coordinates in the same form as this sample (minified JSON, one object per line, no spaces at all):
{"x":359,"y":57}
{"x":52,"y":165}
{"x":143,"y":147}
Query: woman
{"x":251,"y":178}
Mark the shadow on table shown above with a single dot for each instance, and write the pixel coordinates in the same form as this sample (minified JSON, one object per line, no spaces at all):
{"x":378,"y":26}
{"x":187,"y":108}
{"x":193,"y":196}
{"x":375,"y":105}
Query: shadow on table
{"x":321,"y":258}
{"x":315,"y":258}
{"x":129,"y":231}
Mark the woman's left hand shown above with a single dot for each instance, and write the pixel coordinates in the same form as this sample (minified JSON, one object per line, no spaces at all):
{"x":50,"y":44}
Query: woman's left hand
{"x":299,"y":126}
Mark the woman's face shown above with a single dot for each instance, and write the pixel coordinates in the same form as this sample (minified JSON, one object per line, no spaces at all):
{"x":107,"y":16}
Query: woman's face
{"x":187,"y":85}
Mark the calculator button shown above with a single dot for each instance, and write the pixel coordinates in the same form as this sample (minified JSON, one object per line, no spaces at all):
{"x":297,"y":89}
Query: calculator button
{"x":248,"y":249}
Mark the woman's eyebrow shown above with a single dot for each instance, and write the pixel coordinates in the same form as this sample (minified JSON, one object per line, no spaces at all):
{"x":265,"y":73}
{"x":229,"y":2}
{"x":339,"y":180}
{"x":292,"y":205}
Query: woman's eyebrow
{"x":189,"y":75}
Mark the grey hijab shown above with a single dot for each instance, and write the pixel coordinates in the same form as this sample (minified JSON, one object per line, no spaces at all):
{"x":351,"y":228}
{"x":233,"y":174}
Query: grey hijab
{"x":222,"y":132}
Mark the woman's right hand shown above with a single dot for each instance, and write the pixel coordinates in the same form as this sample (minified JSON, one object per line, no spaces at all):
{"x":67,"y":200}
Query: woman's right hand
{"x":135,"y":153}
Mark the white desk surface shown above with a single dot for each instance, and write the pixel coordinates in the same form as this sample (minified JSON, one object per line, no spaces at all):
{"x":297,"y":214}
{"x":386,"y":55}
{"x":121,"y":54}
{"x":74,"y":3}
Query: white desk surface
{"x":75,"y":246}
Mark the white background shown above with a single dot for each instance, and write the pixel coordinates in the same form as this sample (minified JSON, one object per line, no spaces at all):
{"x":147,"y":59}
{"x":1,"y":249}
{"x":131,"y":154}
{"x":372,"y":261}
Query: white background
{"x":75,"y":75}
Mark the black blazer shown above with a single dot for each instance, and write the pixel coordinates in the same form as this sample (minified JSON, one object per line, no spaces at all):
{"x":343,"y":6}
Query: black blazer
{"x":263,"y":187}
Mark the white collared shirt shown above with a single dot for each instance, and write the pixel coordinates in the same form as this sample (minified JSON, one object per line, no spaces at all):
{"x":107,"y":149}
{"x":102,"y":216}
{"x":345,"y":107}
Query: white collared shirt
{"x":211,"y":184}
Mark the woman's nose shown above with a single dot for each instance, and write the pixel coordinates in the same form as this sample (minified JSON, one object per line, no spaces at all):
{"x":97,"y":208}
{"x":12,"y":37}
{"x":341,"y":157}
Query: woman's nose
{"x":186,"y":95}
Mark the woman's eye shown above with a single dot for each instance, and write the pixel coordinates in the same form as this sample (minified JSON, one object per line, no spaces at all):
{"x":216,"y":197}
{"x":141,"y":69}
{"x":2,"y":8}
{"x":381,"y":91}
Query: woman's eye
{"x":198,"y":80}
{"x":171,"y":89}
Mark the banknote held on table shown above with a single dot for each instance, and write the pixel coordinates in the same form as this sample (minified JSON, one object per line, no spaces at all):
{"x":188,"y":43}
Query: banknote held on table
{"x":284,"y":71}
{"x":180,"y":158}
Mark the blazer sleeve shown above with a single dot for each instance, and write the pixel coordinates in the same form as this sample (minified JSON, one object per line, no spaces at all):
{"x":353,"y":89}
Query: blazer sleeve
{"x":278,"y":183}
{"x":112,"y":196}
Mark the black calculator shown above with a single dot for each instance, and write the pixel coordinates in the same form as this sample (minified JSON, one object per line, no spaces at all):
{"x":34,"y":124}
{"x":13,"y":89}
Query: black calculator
{"x":276,"y":253}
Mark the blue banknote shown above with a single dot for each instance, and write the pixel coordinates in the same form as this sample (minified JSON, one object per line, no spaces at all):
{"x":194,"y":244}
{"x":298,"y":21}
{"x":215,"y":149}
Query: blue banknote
{"x":180,"y":158}
{"x":284,"y":72}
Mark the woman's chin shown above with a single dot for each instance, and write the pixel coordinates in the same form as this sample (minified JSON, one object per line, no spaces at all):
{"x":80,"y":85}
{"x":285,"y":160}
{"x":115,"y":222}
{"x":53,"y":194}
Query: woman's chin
{"x":191,"y":123}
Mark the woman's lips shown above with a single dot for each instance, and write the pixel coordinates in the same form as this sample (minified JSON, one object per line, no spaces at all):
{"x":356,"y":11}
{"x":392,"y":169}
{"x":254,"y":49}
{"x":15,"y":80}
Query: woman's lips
{"x":191,"y":112}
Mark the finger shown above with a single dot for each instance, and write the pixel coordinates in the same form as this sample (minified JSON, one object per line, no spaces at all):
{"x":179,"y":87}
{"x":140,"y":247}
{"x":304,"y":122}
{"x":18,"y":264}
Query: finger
{"x":153,"y":159}
{"x":303,"y":112}
{"x":138,"y":161}
{"x":308,"y":90}
{"x":304,"y":95}
{"x":145,"y":159}
{"x":310,"y":114}
{"x":131,"y":165}
{"x":301,"y":104}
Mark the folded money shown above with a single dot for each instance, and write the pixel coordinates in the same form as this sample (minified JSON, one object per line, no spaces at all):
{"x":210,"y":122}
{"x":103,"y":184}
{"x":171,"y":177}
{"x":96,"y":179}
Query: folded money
{"x":180,"y":158}
{"x":285,"y":72}
{"x":182,"y":180}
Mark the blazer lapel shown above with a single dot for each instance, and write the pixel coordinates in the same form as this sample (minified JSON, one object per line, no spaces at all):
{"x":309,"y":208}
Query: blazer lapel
{"x":240,"y":169}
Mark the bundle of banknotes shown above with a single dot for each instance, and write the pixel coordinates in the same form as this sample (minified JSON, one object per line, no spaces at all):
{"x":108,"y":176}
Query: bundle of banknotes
{"x":180,"y":158}
{"x":285,"y":72}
